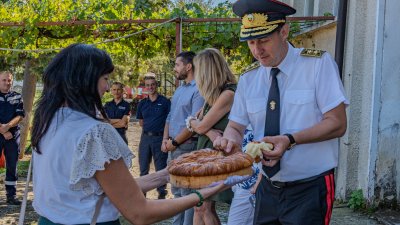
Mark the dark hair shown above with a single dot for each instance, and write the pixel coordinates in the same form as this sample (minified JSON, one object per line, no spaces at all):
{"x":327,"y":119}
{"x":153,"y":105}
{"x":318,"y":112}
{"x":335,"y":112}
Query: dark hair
{"x":71,"y":78}
{"x":121,"y":85}
{"x":187,"y":57}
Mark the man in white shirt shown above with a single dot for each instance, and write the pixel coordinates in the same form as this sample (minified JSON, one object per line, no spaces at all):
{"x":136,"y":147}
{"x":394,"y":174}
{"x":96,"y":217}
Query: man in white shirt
{"x":294,"y":100}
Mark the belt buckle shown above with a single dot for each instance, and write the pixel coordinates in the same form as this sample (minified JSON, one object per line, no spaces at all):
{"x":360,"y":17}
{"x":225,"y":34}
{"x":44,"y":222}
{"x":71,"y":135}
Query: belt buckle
{"x":275,"y":184}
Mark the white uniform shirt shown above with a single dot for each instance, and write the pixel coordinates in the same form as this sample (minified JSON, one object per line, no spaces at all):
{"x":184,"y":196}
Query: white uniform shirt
{"x":73,"y":149}
{"x":309,"y":87}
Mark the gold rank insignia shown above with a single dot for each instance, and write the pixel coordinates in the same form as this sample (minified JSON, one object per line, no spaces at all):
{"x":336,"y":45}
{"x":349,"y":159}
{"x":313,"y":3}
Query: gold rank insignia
{"x":272,"y":105}
{"x":312,"y":52}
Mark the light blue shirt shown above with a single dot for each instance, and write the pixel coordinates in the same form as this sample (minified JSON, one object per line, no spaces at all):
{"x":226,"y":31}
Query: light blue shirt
{"x":186,"y":101}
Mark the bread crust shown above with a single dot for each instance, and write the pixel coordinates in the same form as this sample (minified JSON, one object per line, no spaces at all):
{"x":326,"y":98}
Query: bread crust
{"x":203,"y":167}
{"x":204,"y":181}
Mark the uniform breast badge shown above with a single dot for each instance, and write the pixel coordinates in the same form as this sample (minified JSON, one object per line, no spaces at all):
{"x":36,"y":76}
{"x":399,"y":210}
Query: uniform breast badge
{"x":272,"y":105}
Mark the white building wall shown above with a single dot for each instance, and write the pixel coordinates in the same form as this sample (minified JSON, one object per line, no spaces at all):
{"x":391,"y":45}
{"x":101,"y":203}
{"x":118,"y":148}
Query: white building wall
{"x":387,"y":180}
{"x":369,"y":155}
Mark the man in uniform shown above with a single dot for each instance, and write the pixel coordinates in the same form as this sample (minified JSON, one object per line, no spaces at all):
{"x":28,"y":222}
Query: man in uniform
{"x":294,"y":100}
{"x":118,"y":110}
{"x":178,"y":140}
{"x":11,"y":113}
{"x":152,"y":113}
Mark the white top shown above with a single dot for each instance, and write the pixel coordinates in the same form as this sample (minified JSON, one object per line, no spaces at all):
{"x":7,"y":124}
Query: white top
{"x":309,"y":87}
{"x":73,"y":149}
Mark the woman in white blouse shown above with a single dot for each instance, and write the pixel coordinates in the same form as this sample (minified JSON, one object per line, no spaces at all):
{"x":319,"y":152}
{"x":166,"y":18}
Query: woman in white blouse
{"x":79,"y":157}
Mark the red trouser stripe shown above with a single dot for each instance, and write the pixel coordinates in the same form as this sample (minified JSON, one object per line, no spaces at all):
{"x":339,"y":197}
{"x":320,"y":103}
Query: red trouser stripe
{"x":329,"y":197}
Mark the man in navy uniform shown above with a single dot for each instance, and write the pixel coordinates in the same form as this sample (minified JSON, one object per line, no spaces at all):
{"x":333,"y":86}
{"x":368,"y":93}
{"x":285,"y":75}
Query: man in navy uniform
{"x":11,"y":113}
{"x":294,"y":100}
{"x":152,"y":113}
{"x":118,"y":110}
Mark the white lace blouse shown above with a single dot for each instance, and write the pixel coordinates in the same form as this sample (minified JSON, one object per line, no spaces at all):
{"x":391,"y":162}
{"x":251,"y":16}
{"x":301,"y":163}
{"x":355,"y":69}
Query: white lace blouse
{"x":73,"y":149}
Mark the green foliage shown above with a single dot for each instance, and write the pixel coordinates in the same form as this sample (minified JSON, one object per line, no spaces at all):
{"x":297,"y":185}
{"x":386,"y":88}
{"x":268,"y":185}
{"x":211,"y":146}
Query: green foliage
{"x":133,"y":56}
{"x":357,"y":201}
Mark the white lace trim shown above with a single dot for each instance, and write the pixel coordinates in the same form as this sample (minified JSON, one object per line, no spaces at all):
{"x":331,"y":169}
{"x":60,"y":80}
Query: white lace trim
{"x":98,"y":146}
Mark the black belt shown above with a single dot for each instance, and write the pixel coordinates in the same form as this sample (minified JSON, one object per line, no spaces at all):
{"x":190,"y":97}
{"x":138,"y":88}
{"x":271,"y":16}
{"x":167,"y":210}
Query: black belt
{"x":279,"y":184}
{"x":153,"y":133}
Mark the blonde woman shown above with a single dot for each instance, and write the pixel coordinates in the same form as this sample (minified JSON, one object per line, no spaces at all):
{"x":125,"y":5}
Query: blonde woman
{"x":81,"y":162}
{"x":217,"y":85}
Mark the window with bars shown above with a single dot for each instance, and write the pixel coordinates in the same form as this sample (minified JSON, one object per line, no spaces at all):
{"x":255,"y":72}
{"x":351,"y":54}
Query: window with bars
{"x":314,"y":7}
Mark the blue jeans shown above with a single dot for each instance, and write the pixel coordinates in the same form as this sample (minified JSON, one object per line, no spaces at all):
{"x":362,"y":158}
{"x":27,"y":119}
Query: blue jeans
{"x":150,"y":147}
{"x":184,"y":218}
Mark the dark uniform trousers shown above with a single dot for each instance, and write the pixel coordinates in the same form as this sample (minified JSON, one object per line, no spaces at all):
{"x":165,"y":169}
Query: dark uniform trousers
{"x":11,"y":153}
{"x":150,"y":146}
{"x":308,"y":203}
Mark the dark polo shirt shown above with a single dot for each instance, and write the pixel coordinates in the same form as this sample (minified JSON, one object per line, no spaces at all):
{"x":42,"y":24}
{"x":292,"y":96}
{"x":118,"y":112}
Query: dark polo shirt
{"x":154,"y":113}
{"x":117,"y":111}
{"x":11,"y":105}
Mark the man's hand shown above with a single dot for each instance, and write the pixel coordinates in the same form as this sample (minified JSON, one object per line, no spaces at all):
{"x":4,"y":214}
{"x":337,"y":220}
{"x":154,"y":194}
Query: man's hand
{"x":169,"y":146}
{"x":7,"y":135}
{"x":281,"y":144}
{"x":213,"y":134}
{"x":4,"y":128}
{"x":164,"y":145}
{"x":228,"y":145}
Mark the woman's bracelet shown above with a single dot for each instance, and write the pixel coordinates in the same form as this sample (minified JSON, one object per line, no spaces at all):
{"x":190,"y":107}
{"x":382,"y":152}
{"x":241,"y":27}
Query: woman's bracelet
{"x":200,"y":197}
{"x":187,"y":120}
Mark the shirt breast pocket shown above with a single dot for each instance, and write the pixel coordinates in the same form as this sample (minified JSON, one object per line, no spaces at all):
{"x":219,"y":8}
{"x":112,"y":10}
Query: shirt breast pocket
{"x":300,"y":110}
{"x":256,"y":109}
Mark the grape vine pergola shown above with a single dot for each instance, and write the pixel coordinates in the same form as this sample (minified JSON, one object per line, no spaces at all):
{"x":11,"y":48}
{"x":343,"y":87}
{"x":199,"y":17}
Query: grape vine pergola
{"x":178,"y":23}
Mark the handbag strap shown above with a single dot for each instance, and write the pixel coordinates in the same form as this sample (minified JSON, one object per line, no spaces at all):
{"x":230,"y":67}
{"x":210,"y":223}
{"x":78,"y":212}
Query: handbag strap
{"x":24,"y":201}
{"x":99,"y":203}
{"x":21,"y":219}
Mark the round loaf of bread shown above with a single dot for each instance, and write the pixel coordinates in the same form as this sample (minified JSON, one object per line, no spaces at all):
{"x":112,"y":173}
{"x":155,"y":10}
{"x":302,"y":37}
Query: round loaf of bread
{"x":254,"y":149}
{"x":202,"y":167}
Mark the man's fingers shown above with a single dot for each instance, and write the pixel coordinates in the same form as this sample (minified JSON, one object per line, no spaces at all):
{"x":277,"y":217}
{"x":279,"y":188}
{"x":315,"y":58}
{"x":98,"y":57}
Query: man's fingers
{"x":269,"y":162}
{"x":217,"y":143}
{"x":229,"y":146}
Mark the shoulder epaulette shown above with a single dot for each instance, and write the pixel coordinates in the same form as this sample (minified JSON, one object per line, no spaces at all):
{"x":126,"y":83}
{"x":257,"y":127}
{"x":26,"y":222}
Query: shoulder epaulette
{"x":310,"y":52}
{"x":251,"y":67}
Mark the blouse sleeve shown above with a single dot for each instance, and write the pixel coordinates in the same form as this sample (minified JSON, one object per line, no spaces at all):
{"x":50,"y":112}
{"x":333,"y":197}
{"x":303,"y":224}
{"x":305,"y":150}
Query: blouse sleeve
{"x":98,"y":146}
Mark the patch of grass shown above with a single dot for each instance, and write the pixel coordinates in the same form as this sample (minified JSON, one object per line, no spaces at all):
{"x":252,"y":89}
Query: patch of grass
{"x":23,"y":167}
{"x":357,"y":201}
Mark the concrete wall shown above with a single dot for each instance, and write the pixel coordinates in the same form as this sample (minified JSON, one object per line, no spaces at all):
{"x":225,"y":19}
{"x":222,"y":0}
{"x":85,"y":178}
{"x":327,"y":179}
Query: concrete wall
{"x":320,"y":37}
{"x":356,"y":162}
{"x":387,"y":180}
{"x":369,"y":156}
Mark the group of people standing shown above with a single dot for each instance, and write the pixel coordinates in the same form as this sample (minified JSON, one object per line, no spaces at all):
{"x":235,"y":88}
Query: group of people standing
{"x":294,"y":99}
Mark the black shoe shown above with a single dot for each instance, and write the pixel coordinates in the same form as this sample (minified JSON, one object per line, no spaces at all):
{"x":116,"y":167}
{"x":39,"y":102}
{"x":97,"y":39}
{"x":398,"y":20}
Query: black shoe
{"x":13,"y":201}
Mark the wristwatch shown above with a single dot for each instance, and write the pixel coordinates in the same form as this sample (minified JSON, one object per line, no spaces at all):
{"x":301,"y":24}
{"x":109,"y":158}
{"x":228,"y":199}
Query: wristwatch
{"x":174,"y":142}
{"x":292,"y":141}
